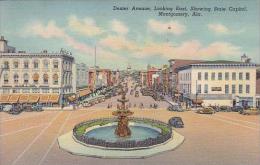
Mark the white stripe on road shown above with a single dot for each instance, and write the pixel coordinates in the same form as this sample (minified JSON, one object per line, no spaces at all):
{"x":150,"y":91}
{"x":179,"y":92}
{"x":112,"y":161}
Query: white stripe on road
{"x":229,"y":122}
{"x":253,"y":123}
{"x":21,"y":130}
{"x":34,"y":140}
{"x":53,"y":142}
{"x":23,"y":117}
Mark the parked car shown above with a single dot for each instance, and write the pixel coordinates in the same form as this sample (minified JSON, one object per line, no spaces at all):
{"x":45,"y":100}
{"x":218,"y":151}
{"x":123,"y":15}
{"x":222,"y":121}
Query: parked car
{"x":225,"y":109}
{"x":176,"y":122}
{"x":206,"y":110}
{"x":15,"y":110}
{"x":27,"y":108}
{"x":37,"y":108}
{"x":175,"y":108}
{"x":1,"y":107}
{"x":237,"y":108}
{"x":7,"y":108}
{"x":250,"y":111}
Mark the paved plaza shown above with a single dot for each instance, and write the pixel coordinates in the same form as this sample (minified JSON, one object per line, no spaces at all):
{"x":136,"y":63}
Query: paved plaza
{"x":224,"y":138}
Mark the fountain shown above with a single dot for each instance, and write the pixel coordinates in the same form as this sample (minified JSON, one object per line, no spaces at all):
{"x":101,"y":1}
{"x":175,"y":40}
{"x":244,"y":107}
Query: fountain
{"x":121,"y":137}
{"x":122,"y":129}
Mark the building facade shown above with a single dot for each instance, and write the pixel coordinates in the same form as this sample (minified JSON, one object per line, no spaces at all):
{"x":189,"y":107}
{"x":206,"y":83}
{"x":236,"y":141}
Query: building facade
{"x":37,"y":73}
{"x":82,"y":75}
{"x":173,"y":73}
{"x":219,"y":83}
{"x":99,"y":78}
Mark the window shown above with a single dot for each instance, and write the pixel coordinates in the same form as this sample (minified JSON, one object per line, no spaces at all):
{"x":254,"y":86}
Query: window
{"x":206,"y":88}
{"x":219,"y":76}
{"x":226,"y":76}
{"x":240,"y":76}
{"x":16,"y":78}
{"x":45,"y":78}
{"x":247,"y":89}
{"x":206,"y":75}
{"x":226,"y":89}
{"x":240,"y":88}
{"x":213,"y":76}
{"x":199,"y":75}
{"x":199,"y":88}
{"x":26,"y":64}
{"x":233,"y":89}
{"x":46,"y":64}
{"x":16,"y":64}
{"x":233,"y":75}
{"x":6,"y":65}
{"x":6,"y":77}
{"x":25,"y":78}
{"x":247,"y":76}
{"x":36,"y":64}
{"x":36,"y":78}
{"x":55,"y":64}
{"x":55,"y":79}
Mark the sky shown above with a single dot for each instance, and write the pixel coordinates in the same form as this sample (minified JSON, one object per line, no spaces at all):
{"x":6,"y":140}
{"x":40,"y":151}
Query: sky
{"x":133,"y":37}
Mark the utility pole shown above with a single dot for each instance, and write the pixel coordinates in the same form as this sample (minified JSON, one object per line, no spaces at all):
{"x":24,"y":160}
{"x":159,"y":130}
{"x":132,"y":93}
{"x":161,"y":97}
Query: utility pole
{"x":95,"y":57}
{"x":196,"y":92}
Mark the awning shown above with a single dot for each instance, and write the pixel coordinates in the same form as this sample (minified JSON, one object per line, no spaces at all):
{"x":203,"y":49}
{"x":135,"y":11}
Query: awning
{"x":14,"y":98}
{"x":33,"y":98}
{"x":84,"y":92}
{"x":198,"y":101}
{"x":36,"y":77}
{"x":24,"y":98}
{"x":54,"y":98}
{"x":4,"y":98}
{"x":44,"y":99}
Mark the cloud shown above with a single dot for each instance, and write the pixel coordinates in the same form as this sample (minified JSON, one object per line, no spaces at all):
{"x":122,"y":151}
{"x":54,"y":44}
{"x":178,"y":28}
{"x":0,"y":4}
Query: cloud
{"x":118,"y":43}
{"x":48,"y":31}
{"x":159,"y":27}
{"x":219,"y":29}
{"x":119,"y":27}
{"x":86,"y":26}
{"x":51,"y":30}
{"x":192,"y":49}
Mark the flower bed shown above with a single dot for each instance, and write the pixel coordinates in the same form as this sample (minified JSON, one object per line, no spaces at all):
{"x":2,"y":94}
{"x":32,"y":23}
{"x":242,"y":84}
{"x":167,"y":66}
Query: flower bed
{"x":79,"y":131}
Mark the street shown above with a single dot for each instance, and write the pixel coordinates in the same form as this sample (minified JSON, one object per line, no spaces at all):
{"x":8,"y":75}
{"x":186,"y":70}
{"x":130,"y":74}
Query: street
{"x":222,"y":138}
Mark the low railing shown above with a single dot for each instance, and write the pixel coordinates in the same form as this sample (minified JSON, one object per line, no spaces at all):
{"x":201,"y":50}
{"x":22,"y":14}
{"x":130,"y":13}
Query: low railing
{"x":128,"y":143}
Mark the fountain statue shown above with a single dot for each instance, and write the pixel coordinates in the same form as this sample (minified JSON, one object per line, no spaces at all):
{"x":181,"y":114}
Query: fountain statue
{"x":122,"y":113}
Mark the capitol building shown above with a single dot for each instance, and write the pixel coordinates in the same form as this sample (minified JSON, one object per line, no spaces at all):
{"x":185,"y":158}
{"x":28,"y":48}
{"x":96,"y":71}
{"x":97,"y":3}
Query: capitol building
{"x":44,"y":77}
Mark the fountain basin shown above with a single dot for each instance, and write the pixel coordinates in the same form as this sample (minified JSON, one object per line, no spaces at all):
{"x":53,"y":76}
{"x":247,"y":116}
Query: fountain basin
{"x":100,"y":133}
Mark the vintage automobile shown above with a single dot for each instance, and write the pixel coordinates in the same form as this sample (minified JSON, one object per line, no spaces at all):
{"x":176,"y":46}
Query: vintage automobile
{"x":250,"y":111}
{"x":15,"y":110}
{"x":37,"y":108}
{"x":237,"y":108}
{"x":176,"y":122}
{"x":7,"y":108}
{"x":176,"y":108}
{"x":27,"y":108}
{"x":206,"y":110}
{"x":1,"y":107}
